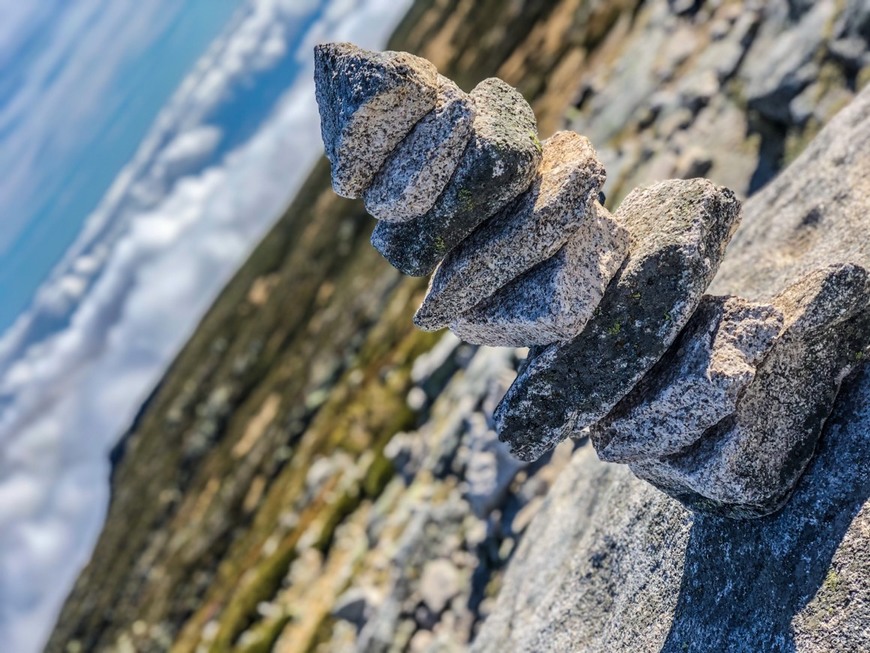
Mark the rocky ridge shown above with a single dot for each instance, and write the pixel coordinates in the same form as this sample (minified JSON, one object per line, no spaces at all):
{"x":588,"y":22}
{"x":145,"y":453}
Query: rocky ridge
{"x":727,"y":428}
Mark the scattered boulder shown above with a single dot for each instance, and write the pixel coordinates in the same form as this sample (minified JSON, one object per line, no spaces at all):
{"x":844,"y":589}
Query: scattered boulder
{"x":678,"y":232}
{"x":353,"y":606}
{"x":500,"y":162}
{"x":439,"y":583}
{"x":526,"y":232}
{"x":553,"y":301}
{"x":368,"y":103}
{"x":421,"y":165}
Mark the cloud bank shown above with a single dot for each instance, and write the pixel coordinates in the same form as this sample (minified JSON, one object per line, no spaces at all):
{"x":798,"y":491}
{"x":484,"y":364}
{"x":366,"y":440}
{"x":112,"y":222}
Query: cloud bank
{"x":174,"y":226}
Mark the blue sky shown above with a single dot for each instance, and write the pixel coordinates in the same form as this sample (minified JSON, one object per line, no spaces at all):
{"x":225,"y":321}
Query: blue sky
{"x":80,"y":83}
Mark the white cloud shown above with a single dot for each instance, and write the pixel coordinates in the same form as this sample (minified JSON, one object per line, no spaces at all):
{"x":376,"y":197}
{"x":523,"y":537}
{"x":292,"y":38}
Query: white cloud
{"x":54,"y":104}
{"x":142,"y":273}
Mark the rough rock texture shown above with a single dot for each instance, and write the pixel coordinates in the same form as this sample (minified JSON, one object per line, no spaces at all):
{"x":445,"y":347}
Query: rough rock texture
{"x":553,"y":301}
{"x":696,"y":383}
{"x":678,"y":232}
{"x":747,"y":464}
{"x":499,"y":163}
{"x":641,"y":572}
{"x":417,"y":171}
{"x":368,"y":102}
{"x":526,"y":232}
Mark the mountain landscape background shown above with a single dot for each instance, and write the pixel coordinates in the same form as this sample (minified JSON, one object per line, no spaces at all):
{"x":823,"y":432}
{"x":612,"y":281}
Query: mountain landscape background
{"x":98,"y":294}
{"x":312,"y":473}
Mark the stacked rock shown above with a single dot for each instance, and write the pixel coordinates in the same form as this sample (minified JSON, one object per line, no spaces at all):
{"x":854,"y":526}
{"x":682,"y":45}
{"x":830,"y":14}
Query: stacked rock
{"x":715,"y":400}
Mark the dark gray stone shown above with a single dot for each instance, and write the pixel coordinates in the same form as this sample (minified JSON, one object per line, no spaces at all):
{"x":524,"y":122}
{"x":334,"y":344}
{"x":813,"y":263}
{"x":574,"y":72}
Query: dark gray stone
{"x":553,"y":301}
{"x":498,"y":165}
{"x":694,"y":385}
{"x":420,"y":167}
{"x":679,"y":230}
{"x":353,"y":606}
{"x":526,"y":232}
{"x":368,"y":103}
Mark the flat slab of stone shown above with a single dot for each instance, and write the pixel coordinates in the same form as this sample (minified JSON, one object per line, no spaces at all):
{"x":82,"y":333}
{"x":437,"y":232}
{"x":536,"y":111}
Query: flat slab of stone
{"x":499,"y":163}
{"x":678,"y":232}
{"x":694,"y":385}
{"x":554,"y":300}
{"x":417,"y":171}
{"x":368,"y":103}
{"x":749,"y":463}
{"x":526,"y":232}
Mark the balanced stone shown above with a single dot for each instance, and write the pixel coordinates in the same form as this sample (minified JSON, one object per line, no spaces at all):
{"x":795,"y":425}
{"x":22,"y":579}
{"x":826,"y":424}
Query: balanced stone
{"x":553,"y":301}
{"x":368,"y":103}
{"x":696,"y":383}
{"x":498,"y":164}
{"x":420,"y":167}
{"x":678,"y":233}
{"x":748,"y":464}
{"x":526,"y":232}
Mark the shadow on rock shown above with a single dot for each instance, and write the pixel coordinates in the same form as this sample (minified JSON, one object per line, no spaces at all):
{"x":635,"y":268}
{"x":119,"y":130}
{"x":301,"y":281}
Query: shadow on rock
{"x":745,"y":581}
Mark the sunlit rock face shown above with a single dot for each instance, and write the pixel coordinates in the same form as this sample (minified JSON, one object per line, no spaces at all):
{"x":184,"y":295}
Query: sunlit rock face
{"x":717,"y":401}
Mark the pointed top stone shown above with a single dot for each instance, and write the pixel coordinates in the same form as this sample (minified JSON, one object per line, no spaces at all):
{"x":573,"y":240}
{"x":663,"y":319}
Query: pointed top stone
{"x":368,"y":103}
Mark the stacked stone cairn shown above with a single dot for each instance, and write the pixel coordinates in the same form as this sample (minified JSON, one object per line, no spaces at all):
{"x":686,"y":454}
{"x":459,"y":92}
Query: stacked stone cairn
{"x":717,"y":401}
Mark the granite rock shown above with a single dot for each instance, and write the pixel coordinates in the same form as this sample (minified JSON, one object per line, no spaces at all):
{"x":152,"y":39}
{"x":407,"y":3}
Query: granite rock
{"x":498,"y":164}
{"x":678,"y":233}
{"x":694,"y":385}
{"x":417,"y":171}
{"x":615,"y":565}
{"x":523,"y":234}
{"x":747,"y":465}
{"x":368,"y":103}
{"x":553,"y":301}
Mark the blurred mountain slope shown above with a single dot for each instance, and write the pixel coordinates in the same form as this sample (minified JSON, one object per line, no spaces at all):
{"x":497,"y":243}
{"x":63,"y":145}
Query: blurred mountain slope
{"x":270,"y":495}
